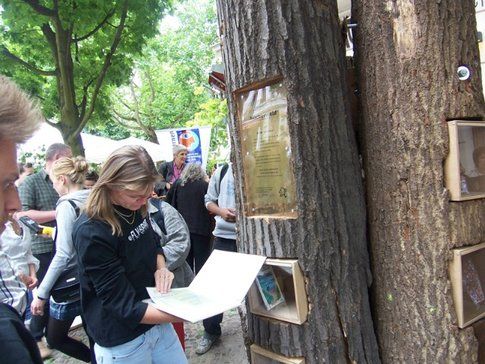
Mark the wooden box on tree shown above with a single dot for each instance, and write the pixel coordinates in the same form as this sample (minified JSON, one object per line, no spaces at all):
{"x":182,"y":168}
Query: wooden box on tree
{"x":465,"y":164}
{"x":291,"y":281}
{"x":467,"y":274}
{"x":263,"y":356}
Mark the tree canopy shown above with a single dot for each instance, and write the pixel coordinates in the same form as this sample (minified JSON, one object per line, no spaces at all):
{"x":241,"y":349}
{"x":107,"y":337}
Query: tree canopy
{"x":67,"y":52}
{"x":169,"y":82}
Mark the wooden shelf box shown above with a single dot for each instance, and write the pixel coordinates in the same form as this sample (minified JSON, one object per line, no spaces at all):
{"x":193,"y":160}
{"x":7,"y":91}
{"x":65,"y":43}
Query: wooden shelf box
{"x":292,"y":283}
{"x":263,"y":356}
{"x":467,"y":275}
{"x":465,"y":164}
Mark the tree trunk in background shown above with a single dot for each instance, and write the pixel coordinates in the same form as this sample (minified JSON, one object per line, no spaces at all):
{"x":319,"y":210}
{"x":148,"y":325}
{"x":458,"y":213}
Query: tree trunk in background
{"x":408,"y":53}
{"x":301,"y":41}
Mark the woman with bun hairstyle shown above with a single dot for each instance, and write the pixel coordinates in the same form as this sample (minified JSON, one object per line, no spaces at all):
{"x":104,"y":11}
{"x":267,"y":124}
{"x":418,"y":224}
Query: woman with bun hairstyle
{"x":119,"y":255}
{"x":67,"y":177}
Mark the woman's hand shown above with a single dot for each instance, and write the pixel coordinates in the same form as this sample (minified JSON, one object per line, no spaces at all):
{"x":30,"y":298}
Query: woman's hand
{"x":37,"y":307}
{"x":163,"y":280}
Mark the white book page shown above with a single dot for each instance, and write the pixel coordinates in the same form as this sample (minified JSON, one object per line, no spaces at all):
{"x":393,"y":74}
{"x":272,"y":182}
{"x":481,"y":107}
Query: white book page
{"x":221,"y":284}
{"x":227,"y":275}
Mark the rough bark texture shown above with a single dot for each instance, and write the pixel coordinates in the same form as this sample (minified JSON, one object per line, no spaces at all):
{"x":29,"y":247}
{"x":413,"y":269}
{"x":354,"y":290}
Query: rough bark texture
{"x":408,"y":52}
{"x":300,"y":40}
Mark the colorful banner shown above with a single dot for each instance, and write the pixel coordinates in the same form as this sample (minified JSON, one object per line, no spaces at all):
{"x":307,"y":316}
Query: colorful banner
{"x":191,"y":139}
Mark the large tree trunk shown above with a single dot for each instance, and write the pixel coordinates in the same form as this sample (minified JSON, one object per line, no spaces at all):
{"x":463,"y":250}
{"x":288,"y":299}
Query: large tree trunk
{"x":301,"y":41}
{"x":408,"y":53}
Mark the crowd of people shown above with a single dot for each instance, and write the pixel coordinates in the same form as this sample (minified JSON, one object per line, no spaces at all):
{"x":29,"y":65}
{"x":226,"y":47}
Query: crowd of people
{"x":77,"y":243}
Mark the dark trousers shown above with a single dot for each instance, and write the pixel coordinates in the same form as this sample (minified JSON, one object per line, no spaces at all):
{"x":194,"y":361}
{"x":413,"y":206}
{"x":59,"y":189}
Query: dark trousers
{"x":39,"y":323}
{"x":200,"y":249}
{"x":212,"y":325}
{"x":16,"y":343}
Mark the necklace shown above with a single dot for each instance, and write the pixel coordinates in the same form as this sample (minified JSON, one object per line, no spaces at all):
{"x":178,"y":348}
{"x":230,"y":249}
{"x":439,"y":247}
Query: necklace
{"x":125,"y":217}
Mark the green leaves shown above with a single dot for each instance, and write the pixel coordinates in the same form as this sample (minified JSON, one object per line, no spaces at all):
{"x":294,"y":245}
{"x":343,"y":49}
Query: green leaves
{"x":75,"y":40}
{"x":170,"y":79}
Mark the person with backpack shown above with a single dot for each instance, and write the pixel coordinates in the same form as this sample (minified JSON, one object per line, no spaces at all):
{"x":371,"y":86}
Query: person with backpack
{"x":39,"y":200}
{"x":220,"y":200}
{"x":119,"y":256}
{"x":175,"y":242}
{"x":67,"y":175}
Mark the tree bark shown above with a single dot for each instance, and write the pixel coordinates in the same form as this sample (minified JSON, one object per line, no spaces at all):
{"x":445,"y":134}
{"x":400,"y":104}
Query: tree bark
{"x":408,"y":53}
{"x":301,"y":41}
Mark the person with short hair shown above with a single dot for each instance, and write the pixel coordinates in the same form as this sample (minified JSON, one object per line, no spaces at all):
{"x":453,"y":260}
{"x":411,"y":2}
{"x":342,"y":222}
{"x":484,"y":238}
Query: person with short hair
{"x":220,"y":199}
{"x":171,"y":171}
{"x":19,"y":118}
{"x":25,"y":170}
{"x":119,"y":255}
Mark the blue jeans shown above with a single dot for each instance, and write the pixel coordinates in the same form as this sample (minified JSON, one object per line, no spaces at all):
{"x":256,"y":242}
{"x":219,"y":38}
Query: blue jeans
{"x":160,"y":344}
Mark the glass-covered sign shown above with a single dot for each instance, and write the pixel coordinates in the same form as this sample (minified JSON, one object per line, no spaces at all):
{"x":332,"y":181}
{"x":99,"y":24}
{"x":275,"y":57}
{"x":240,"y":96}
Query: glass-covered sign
{"x":268,"y":177}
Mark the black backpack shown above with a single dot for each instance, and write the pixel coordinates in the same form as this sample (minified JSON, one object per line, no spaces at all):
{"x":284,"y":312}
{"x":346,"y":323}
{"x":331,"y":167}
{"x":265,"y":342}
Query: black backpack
{"x":158,"y":216}
{"x":223,"y":173}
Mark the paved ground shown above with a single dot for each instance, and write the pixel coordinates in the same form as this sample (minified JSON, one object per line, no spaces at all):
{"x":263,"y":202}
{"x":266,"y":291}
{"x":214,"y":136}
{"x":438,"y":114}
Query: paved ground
{"x":229,"y":350}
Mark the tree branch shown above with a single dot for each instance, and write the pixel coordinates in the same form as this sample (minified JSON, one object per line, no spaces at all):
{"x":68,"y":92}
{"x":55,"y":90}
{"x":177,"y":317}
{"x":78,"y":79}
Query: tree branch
{"x":137,"y":105}
{"x":152,"y":88}
{"x":124,"y":117}
{"x":106,"y":64}
{"x":142,"y":113}
{"x":104,"y":21}
{"x":84,"y":100}
{"x":122,"y":123}
{"x":34,"y":4}
{"x":30,"y":67}
{"x":126,"y":105}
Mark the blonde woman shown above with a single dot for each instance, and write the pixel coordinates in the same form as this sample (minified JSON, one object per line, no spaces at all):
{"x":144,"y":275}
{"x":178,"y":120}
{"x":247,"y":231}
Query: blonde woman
{"x":119,"y":256}
{"x":67,"y":176}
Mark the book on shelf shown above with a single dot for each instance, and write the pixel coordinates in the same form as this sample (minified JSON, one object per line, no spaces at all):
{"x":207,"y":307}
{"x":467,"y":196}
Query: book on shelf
{"x":269,"y":287}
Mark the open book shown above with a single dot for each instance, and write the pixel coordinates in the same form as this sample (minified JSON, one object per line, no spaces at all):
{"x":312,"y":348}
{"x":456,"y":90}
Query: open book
{"x":221,"y":284}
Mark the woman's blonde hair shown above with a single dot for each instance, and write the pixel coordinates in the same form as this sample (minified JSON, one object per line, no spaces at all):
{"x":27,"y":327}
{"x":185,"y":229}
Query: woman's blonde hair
{"x":128,"y":168}
{"x":74,"y":169}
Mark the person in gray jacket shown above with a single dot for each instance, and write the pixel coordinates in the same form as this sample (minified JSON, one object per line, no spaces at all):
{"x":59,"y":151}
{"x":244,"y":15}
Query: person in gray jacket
{"x":175,"y":241}
{"x":174,"y":236}
{"x":67,"y":176}
{"x":220,"y":200}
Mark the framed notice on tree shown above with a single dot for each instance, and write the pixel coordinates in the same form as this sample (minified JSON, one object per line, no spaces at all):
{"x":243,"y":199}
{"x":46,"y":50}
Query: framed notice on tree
{"x":269,"y":181}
